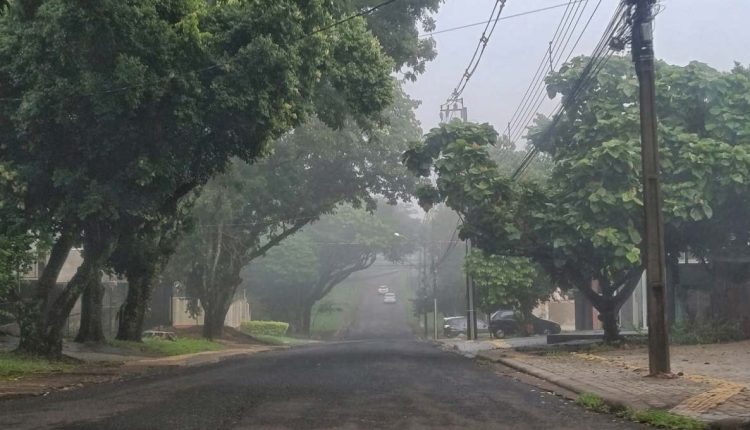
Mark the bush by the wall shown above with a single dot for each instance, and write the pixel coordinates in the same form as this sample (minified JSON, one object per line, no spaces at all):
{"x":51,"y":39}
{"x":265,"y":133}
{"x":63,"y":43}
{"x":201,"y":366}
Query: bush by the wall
{"x":700,"y":332}
{"x":265,"y":328}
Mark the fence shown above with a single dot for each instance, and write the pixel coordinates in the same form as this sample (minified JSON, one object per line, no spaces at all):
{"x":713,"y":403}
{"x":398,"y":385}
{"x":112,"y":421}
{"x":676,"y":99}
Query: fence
{"x":238,"y":312}
{"x":114,"y":297}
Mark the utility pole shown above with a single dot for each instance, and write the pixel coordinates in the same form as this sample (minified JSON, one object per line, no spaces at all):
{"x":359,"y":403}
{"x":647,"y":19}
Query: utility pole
{"x":446,"y":111}
{"x":471,"y":315}
{"x":643,"y":57}
{"x":434,"y":299}
{"x":453,"y":106}
{"x":424,"y":287}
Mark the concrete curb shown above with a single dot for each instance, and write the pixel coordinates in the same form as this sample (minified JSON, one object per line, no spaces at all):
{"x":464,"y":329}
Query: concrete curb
{"x":561,"y":381}
{"x":615,"y":403}
{"x":200,"y":358}
{"x":34,"y":387}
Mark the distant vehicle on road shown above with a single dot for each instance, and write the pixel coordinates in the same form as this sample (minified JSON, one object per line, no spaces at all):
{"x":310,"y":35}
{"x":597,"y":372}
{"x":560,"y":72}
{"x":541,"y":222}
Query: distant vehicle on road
{"x":454,"y":326}
{"x":382,"y":289}
{"x":504,"y":323}
{"x":389,"y":298}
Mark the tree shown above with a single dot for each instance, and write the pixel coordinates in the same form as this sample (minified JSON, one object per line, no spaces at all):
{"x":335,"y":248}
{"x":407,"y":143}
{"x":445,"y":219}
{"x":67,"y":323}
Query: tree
{"x":585,"y":223}
{"x":278,"y":280}
{"x":508,"y":282}
{"x":243,"y":214}
{"x":524,"y":219}
{"x":342,"y":94}
{"x":19,"y":246}
{"x":704,"y":142}
{"x":348,"y":241}
{"x":160,"y":95}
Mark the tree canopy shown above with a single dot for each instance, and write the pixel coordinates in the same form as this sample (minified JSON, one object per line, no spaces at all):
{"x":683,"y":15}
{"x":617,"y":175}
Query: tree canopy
{"x":111,"y":113}
{"x":585,"y":223}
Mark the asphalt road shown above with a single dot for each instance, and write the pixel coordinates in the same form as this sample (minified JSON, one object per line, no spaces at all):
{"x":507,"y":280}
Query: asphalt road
{"x":379,"y":378}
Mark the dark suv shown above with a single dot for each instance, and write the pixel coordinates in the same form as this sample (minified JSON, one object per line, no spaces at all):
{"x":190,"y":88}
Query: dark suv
{"x":504,"y":323}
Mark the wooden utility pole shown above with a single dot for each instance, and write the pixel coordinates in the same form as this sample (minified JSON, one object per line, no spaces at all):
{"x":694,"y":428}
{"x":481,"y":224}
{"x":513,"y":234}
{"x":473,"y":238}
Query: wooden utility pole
{"x":643,"y":57}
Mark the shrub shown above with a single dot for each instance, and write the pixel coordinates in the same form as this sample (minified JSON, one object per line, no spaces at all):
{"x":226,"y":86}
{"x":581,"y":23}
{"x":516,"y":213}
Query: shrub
{"x":699,"y":332}
{"x":266,"y":328}
{"x":656,"y":418}
{"x":593,"y":402}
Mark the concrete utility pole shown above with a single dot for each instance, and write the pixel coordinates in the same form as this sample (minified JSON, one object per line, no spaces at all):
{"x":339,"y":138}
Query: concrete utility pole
{"x":446,"y":112}
{"x":471,"y":315}
{"x":643,"y":57}
{"x":454,"y":106}
{"x":434,"y":299}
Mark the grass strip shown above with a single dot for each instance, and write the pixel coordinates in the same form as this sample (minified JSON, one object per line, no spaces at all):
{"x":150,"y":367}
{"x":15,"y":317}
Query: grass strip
{"x":14,"y":365}
{"x":165,"y":348}
{"x":653,"y":417}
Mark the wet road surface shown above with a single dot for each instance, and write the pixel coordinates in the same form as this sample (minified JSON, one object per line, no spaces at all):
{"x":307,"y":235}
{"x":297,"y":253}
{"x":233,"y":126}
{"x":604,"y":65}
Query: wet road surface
{"x":380,"y":377}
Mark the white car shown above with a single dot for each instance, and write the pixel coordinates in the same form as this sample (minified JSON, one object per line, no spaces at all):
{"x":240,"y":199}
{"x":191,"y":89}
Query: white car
{"x":382,"y":289}
{"x":389,"y":298}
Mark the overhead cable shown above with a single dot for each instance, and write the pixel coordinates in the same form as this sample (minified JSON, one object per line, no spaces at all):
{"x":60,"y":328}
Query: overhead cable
{"x":615,"y":32}
{"x":476,"y":58}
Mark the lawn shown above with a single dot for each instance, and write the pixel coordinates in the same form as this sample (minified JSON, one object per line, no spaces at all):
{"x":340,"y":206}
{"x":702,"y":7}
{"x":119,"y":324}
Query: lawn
{"x":165,"y":348}
{"x":13,"y":365}
{"x":336,"y":310}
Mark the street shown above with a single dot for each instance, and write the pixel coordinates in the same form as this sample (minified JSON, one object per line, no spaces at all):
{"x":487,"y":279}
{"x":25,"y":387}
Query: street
{"x":378,"y":378}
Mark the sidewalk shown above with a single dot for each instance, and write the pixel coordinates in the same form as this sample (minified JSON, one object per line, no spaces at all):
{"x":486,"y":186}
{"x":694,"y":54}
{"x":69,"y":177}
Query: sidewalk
{"x":713,"y":382}
{"x":105,"y":365}
{"x":471,"y":348}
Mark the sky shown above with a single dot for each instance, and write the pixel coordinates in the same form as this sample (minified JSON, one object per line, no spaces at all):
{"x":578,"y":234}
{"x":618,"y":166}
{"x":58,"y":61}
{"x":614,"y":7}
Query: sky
{"x":715,"y":32}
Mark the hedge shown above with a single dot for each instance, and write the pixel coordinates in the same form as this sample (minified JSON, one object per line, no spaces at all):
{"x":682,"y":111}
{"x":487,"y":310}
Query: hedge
{"x":267,"y":328}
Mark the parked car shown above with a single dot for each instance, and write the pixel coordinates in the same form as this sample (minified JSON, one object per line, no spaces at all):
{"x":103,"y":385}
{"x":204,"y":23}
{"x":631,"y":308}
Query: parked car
{"x":389,"y":298}
{"x":454,"y":326}
{"x":382,"y":289}
{"x":504,"y":323}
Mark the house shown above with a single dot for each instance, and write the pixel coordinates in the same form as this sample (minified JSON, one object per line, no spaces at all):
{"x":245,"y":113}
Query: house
{"x":166,"y":309}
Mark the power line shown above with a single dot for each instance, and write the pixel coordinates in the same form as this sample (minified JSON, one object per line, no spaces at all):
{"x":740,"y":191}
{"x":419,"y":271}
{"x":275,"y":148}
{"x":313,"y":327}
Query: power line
{"x":529,"y":12}
{"x":349,"y":18}
{"x":533,"y":99}
{"x":497,"y":9}
{"x":537,"y":78}
{"x":614,"y":34}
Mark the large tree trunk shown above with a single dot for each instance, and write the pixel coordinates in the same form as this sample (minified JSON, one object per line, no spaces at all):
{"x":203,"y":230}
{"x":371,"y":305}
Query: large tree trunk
{"x":98,"y":246}
{"x":609,"y":300}
{"x":133,"y":311}
{"x":32,"y":320}
{"x":609,"y":316}
{"x":215,"y":312}
{"x":305,"y":319}
{"x":91,"y":329}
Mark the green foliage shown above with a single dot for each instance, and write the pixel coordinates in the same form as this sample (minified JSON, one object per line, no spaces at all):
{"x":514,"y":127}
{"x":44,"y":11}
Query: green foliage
{"x":304,"y":269}
{"x":593,"y":402}
{"x":144,"y":101}
{"x":666,"y":420}
{"x":653,"y":417}
{"x":245,"y":213}
{"x":706,"y":332}
{"x":507,"y":282}
{"x":266,"y":328}
{"x":162,"y":347}
{"x":585,"y":222}
{"x":397,"y":27}
{"x":14,"y":365}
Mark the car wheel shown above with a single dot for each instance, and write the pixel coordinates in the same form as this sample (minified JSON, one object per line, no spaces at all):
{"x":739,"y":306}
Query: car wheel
{"x":499,"y":333}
